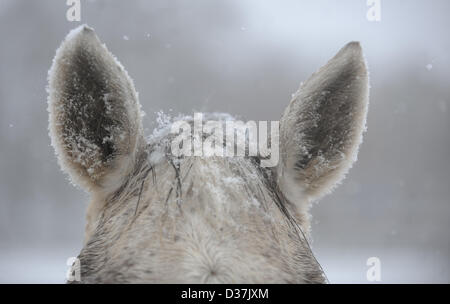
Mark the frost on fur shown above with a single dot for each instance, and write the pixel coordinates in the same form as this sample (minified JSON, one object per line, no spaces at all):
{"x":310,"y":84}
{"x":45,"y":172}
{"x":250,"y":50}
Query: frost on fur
{"x":322,"y":127}
{"x":95,"y":119}
{"x":157,"y":217}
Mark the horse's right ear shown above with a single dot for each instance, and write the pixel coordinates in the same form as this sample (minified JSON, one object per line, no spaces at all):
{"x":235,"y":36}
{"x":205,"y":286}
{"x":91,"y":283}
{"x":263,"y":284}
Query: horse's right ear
{"x":95,"y":117}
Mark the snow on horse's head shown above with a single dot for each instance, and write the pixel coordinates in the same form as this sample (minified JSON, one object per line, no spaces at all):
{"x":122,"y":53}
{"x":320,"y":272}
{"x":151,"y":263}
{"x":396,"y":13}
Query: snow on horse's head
{"x":157,"y":216}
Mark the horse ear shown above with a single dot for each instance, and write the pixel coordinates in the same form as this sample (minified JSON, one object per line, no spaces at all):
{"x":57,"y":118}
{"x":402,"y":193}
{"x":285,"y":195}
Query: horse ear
{"x":322,"y":127}
{"x":95,"y":118}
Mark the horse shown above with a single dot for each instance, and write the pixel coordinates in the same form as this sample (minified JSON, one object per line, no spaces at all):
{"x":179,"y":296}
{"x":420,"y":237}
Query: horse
{"x":159,"y":217}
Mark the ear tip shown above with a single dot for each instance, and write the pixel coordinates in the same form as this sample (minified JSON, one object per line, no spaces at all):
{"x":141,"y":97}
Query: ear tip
{"x":352,"y":53}
{"x":355,"y":45}
{"x":78,"y":38}
{"x":86,"y":29}
{"x":79,"y":32}
{"x":352,"y":48}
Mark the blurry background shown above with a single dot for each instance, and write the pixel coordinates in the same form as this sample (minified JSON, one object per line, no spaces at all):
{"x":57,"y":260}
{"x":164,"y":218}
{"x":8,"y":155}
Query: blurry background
{"x":244,"y":57}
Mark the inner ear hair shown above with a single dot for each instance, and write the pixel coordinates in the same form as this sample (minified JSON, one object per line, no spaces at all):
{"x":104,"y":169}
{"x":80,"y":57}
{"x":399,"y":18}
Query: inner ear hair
{"x":322,"y":127}
{"x":95,"y":117}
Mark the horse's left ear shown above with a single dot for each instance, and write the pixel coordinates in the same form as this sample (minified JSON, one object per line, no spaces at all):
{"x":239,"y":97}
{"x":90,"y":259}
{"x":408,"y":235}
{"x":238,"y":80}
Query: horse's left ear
{"x":95,"y":117}
{"x":322,"y":127}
